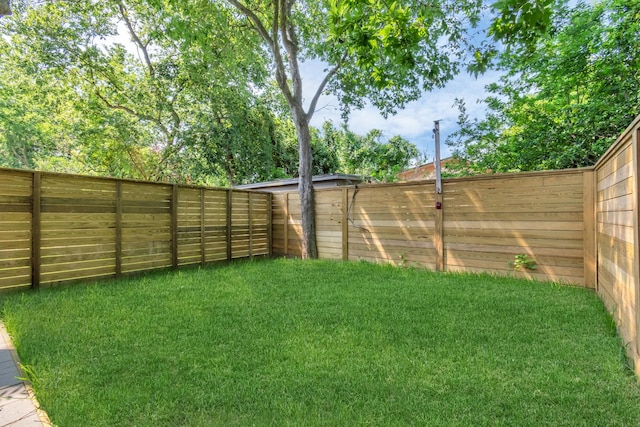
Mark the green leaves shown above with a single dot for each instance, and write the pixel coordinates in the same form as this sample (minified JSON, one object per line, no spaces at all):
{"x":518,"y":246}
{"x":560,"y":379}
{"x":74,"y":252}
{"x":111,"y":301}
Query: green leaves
{"x":521,"y":22}
{"x":367,"y":155}
{"x":566,"y":101}
{"x":132,"y":105}
{"x":395,"y":50}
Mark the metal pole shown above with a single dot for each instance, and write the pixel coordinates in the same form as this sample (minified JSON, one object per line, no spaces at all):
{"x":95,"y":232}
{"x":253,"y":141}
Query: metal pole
{"x":436,"y":131}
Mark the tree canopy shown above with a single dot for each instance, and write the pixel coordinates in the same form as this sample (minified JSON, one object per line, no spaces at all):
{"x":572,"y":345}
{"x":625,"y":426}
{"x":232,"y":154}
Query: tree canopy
{"x":562,"y":104}
{"x":192,"y":95}
{"x":377,"y":51}
{"x":165,"y":99}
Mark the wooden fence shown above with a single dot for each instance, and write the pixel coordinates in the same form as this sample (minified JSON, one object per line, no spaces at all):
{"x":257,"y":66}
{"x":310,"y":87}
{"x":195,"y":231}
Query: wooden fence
{"x":56,"y":228}
{"x":483,"y":223}
{"x":580,"y":227}
{"x":616,"y":207}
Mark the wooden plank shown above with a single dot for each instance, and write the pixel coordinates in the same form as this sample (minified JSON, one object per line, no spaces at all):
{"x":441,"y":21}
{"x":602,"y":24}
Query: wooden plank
{"x":538,"y":178}
{"x":490,"y":234}
{"x":511,"y":196}
{"x":578,"y":252}
{"x":390,"y":243}
{"x":35,"y":230}
{"x":19,"y":234}
{"x":487,"y":208}
{"x":77,"y":265}
{"x":619,"y":189}
{"x":150,"y":247}
{"x":624,"y":218}
{"x":7,"y":282}
{"x":619,"y":232}
{"x":6,"y":263}
{"x":65,"y":276}
{"x":516,"y":225}
{"x":16,"y":183}
{"x":622,"y":203}
{"x":576,"y":215}
{"x":88,"y":253}
{"x":618,"y":176}
{"x":77,"y":248}
{"x":135,"y":264}
{"x":589,"y":223}
{"x":620,"y":159}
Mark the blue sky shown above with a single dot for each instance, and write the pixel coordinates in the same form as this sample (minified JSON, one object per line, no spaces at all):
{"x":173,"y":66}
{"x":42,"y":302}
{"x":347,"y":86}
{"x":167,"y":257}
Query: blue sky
{"x":415,"y":121}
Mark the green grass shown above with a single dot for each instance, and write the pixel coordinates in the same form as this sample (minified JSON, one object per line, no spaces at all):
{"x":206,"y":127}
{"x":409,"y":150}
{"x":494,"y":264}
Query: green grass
{"x":287,"y":342}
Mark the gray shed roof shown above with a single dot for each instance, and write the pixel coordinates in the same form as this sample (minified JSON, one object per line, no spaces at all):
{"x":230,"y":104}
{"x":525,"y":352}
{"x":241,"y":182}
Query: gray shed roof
{"x":287,"y":184}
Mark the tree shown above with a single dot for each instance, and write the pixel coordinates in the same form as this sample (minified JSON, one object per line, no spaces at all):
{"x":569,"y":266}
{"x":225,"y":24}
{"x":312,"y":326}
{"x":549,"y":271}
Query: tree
{"x":142,"y":108}
{"x":376,"y":50}
{"x":564,"y":103}
{"x":367,"y":155}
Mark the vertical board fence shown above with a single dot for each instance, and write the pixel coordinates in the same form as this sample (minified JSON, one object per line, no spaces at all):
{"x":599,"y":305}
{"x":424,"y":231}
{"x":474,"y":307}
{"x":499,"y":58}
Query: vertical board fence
{"x":483,"y":224}
{"x":56,"y":228}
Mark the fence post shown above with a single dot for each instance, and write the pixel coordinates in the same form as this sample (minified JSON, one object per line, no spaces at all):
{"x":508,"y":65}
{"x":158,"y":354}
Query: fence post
{"x":345,"y":225}
{"x":203,"y":245}
{"x":636,"y":237}
{"x":229,"y":225}
{"x":439,"y":233}
{"x":589,"y":233}
{"x":286,"y":224}
{"x":270,"y":224}
{"x":36,"y":193}
{"x":174,"y":226}
{"x":118,"y":228}
{"x":250,"y":202}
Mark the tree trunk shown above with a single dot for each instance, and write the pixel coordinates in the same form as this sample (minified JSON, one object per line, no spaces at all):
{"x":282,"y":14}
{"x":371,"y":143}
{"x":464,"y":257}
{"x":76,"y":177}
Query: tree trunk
{"x":5,"y":8}
{"x":305,"y":185}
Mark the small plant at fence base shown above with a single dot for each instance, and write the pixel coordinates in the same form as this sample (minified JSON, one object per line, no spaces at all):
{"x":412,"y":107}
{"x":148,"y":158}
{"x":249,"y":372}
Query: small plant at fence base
{"x":522,"y":262}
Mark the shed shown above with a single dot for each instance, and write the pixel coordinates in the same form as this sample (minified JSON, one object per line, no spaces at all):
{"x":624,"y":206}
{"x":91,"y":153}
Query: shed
{"x":291,"y":184}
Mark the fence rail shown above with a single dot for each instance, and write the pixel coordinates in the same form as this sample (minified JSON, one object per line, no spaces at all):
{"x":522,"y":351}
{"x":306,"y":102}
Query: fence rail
{"x":56,"y":228}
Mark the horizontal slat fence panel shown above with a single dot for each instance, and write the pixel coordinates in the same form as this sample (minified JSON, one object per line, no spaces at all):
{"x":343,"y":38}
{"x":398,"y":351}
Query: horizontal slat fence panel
{"x":146,"y":226}
{"x":486,"y":222}
{"x":402,"y":234}
{"x":77,"y":228}
{"x":15,"y":229}
{"x":616,"y":206}
{"x":56,"y":228}
{"x":215,"y":225}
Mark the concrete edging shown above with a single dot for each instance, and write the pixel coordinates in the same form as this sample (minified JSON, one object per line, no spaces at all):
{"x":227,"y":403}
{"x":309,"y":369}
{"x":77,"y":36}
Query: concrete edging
{"x":18,"y":404}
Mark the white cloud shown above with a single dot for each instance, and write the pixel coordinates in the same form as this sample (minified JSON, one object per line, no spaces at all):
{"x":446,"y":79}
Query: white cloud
{"x":415,"y":121}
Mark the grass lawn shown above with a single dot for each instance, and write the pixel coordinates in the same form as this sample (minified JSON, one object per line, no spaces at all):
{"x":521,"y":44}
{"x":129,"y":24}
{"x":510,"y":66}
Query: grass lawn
{"x":287,"y":342}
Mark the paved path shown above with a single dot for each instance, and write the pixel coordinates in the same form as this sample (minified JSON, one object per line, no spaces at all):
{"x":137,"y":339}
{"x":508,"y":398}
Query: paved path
{"x":17,"y":404}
